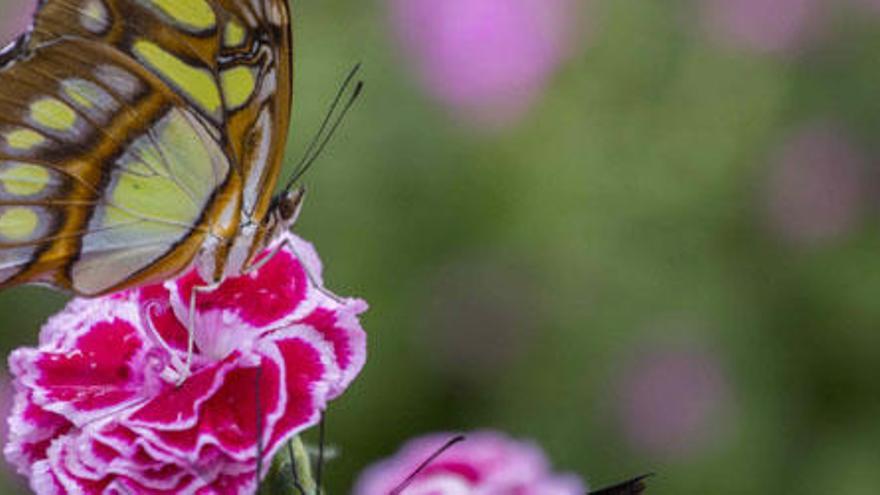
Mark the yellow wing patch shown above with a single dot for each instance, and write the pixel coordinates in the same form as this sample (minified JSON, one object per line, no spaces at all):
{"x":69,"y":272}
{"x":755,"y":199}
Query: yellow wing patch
{"x":196,"y":83}
{"x":238,"y":85}
{"x":233,"y":34}
{"x":158,"y":189}
{"x":24,"y":179}
{"x":163,"y":176}
{"x":52,"y":113}
{"x":24,"y":139}
{"x":18,"y":223}
{"x":153,"y":196}
{"x":191,"y":15}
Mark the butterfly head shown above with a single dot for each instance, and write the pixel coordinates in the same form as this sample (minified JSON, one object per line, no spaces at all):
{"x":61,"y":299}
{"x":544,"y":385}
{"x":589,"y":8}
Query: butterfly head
{"x":284,"y":211}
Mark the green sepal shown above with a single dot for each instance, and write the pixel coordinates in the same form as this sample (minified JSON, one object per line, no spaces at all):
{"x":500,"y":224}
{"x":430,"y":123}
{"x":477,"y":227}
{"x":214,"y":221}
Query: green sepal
{"x":281,"y":479}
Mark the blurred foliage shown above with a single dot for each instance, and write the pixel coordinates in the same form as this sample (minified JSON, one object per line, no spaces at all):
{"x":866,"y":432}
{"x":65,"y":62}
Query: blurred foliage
{"x":626,"y":211}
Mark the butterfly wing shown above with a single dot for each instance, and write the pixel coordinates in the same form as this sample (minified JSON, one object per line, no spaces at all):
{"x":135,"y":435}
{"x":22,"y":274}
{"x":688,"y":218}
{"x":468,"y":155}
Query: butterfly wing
{"x":229,"y":59}
{"x":131,"y":131}
{"x":103,"y":169}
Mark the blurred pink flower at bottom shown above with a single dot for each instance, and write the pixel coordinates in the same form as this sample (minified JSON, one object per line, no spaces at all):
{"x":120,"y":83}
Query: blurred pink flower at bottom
{"x":772,"y":26}
{"x":873,"y":5}
{"x":670,"y":400}
{"x":487,"y":59}
{"x":488,"y":463}
{"x":817,"y":187}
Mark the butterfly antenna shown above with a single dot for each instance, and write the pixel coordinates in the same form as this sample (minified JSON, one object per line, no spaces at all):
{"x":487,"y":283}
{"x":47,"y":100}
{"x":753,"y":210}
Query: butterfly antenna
{"x":433,"y":457}
{"x":634,"y":486}
{"x":319,"y":470}
{"x":331,"y":111}
{"x":327,"y":129}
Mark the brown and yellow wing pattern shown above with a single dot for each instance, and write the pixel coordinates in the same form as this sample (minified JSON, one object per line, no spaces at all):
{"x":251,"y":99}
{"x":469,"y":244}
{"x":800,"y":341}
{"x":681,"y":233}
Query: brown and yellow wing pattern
{"x":131,"y":130}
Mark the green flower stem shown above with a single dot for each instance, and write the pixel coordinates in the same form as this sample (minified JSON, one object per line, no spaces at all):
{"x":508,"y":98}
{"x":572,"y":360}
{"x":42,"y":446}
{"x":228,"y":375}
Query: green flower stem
{"x":281,"y":479}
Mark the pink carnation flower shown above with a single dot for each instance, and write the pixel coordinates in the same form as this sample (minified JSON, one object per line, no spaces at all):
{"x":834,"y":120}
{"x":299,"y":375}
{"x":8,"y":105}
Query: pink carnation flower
{"x":488,"y":463}
{"x":97,"y":410}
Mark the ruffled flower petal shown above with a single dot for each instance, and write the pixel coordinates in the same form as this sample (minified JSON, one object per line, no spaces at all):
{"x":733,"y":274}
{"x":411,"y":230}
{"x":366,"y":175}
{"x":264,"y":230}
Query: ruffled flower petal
{"x":98,"y":409}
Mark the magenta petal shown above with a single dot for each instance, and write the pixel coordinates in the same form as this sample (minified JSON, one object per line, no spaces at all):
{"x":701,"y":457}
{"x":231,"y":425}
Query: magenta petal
{"x":57,"y":469}
{"x":233,"y":484}
{"x":324,"y":321}
{"x":99,"y":372}
{"x":303,"y":372}
{"x":189,"y":483}
{"x":341,"y":329}
{"x":230,"y":416}
{"x":227,"y":419}
{"x":177,"y":407}
{"x":31,"y":432}
{"x":263,"y":297}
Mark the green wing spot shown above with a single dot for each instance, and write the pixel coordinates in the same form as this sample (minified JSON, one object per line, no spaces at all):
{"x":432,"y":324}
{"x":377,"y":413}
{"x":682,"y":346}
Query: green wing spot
{"x":159,"y":188}
{"x":198,"y":84}
{"x":24,"y":179}
{"x":24,"y":139}
{"x":18,"y":223}
{"x":238,"y":85}
{"x":52,"y":113}
{"x":188,"y":14}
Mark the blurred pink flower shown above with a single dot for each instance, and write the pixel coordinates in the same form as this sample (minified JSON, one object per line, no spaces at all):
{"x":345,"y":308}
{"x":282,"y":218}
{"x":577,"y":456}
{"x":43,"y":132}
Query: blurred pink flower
{"x":97,"y":410}
{"x":487,"y":463}
{"x":15,"y":19}
{"x":671,"y":398}
{"x":489,"y":60}
{"x":769,"y":26}
{"x":817,"y":186}
{"x":873,"y":5}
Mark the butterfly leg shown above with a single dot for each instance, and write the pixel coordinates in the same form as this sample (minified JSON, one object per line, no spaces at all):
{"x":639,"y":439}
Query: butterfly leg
{"x":265,"y":259}
{"x":312,"y":279}
{"x":191,"y":329}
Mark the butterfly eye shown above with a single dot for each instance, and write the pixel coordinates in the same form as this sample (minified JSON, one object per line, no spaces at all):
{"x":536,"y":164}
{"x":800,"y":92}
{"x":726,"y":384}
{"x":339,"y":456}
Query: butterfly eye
{"x":290,"y":204}
{"x":263,"y":35}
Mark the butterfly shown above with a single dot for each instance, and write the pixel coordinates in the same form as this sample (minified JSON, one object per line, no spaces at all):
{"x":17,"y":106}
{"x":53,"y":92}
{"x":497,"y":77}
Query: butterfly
{"x":140,"y":137}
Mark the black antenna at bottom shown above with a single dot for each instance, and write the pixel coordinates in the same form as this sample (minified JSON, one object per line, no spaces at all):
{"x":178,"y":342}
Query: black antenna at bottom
{"x":433,"y":457}
{"x":634,"y":486}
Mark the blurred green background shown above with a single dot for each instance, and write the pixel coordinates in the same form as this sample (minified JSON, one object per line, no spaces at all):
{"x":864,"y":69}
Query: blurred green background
{"x":665,"y":258}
